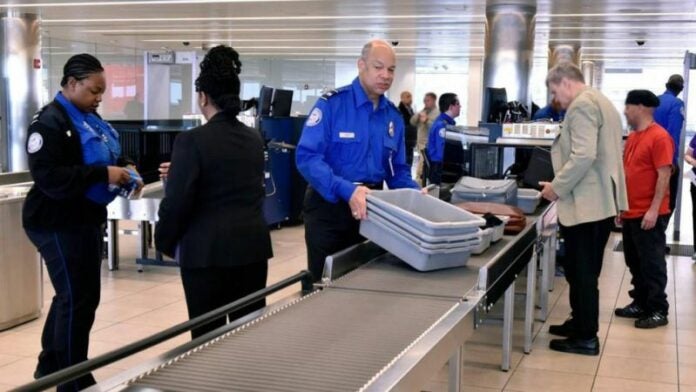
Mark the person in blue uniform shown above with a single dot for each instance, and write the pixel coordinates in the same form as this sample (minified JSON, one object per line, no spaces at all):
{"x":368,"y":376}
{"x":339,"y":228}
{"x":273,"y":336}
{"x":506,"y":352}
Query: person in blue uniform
{"x":211,"y":218}
{"x":352,"y":142}
{"x":670,"y":115}
{"x":449,"y":110}
{"x":552,"y":111}
{"x":75,"y":161}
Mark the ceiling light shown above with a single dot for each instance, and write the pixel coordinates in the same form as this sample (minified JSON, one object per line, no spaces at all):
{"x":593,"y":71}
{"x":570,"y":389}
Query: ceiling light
{"x":262,"y":18}
{"x":132,"y":2}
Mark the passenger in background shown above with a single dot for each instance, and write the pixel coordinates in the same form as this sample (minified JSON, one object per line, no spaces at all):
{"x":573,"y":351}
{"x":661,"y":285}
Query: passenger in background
{"x":590,"y":188}
{"x":670,"y":115}
{"x":352,"y":142}
{"x":411,"y":131}
{"x":690,"y":158}
{"x":552,"y":111}
{"x":647,"y":162}
{"x":75,"y":161}
{"x":211,"y":217}
{"x":449,"y":110}
{"x":424,"y":120}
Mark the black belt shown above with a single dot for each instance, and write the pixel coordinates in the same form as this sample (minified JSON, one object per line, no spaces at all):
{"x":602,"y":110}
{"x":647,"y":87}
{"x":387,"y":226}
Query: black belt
{"x":374,"y":186}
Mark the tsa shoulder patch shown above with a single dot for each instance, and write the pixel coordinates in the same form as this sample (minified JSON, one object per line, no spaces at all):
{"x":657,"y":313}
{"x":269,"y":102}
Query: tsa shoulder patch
{"x":35,"y":143}
{"x":314,"y":117}
{"x":442,"y":132}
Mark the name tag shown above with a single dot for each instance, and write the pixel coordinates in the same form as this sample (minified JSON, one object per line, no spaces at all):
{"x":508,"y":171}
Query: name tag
{"x":346,"y":135}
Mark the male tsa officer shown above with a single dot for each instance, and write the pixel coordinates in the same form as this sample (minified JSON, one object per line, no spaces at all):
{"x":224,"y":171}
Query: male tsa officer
{"x":352,"y":142}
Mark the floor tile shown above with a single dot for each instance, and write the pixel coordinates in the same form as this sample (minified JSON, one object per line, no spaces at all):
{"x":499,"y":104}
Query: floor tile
{"x":535,"y":380}
{"x":611,"y":384}
{"x":687,"y":374}
{"x":638,"y":369}
{"x":641,"y":350}
{"x":551,"y":360}
{"x":6,"y":359}
{"x":19,"y":372}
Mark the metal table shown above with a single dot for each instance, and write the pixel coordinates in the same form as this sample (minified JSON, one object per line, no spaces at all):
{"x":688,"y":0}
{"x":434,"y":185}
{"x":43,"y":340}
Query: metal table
{"x":143,"y":210}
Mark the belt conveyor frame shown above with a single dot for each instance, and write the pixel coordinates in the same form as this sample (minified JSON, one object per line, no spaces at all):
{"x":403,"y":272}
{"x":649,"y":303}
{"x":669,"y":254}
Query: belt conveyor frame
{"x":489,"y":277}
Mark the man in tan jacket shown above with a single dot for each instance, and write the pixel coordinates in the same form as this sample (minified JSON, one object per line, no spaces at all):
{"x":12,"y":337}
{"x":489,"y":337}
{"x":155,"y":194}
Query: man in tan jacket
{"x":590,"y":190}
{"x":423,"y":120}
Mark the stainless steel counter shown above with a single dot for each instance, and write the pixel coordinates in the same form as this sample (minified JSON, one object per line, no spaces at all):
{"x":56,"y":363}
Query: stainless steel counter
{"x":21,"y":296}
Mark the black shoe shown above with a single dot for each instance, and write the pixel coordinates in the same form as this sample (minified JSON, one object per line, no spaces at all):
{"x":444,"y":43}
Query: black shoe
{"x":576,"y":346}
{"x":631,"y":310}
{"x":653,"y":320}
{"x":565,"y":329}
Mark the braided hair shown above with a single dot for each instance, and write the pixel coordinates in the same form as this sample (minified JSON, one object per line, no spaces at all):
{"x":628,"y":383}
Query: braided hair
{"x":219,"y":78}
{"x":79,"y":67}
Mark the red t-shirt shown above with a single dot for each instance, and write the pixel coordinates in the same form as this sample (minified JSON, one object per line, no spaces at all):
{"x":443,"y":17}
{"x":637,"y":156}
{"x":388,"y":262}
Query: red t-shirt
{"x":644,"y":153}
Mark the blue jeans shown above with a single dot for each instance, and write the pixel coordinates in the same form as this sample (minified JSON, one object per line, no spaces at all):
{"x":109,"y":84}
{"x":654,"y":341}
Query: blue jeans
{"x":73,"y":261}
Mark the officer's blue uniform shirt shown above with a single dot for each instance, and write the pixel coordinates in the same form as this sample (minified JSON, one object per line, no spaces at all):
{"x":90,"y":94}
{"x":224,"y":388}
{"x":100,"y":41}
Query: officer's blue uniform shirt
{"x":346,"y":141}
{"x":670,"y":115}
{"x":436,"y":137}
{"x":547,"y":112}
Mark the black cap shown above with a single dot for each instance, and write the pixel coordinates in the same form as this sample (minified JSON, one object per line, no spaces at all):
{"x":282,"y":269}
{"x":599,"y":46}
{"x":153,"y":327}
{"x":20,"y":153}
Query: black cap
{"x":642,"y":97}
{"x":675,"y":82}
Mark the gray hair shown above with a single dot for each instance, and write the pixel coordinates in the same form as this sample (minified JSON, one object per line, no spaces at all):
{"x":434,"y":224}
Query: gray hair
{"x":367,"y":48}
{"x":566,"y":70}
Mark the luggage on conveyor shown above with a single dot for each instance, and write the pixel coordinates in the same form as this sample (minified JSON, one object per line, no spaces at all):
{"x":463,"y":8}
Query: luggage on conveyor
{"x":516,"y":223}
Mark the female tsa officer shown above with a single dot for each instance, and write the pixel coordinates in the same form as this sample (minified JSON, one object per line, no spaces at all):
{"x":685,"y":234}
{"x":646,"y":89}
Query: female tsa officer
{"x":75,"y":161}
{"x":211,"y":217}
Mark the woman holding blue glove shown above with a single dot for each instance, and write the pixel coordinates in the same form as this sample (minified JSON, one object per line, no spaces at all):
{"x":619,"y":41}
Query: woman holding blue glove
{"x":75,"y":161}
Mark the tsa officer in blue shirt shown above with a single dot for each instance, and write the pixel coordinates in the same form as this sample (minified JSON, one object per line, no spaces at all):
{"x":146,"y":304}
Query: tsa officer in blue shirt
{"x":449,"y":110}
{"x":670,"y":115}
{"x":352,"y":142}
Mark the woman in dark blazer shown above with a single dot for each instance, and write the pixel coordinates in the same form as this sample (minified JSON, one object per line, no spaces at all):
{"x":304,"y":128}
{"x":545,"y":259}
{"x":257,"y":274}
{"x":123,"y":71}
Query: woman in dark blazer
{"x":211,"y":218}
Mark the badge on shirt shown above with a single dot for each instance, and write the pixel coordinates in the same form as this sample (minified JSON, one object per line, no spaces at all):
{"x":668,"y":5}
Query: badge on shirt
{"x":314,"y":117}
{"x":391,"y":128}
{"x":442,"y":132}
{"x":35,"y":143}
{"x":346,"y":135}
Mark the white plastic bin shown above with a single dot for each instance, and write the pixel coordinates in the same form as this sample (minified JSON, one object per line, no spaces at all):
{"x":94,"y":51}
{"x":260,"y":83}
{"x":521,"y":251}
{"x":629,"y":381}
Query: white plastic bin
{"x":456,"y":240}
{"x":425,"y":213}
{"x":493,"y":191}
{"x":528,"y":200}
{"x":417,"y":257}
{"x":486,"y":237}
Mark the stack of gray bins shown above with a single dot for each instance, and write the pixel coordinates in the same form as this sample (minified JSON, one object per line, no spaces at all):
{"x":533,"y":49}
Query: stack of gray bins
{"x":423,"y":231}
{"x":492,"y":191}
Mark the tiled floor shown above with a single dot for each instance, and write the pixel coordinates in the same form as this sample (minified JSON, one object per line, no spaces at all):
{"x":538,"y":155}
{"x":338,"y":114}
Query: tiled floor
{"x":135,"y":305}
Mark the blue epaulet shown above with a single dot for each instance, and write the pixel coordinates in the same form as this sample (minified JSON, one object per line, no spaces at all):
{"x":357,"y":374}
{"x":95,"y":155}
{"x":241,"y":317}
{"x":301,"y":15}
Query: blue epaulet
{"x":392,"y":105}
{"x":334,"y":92}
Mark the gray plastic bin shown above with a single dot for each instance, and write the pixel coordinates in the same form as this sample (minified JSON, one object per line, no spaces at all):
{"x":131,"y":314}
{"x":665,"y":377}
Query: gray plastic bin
{"x":457,"y":240}
{"x":486,"y":238}
{"x":493,"y":191}
{"x":528,"y":200}
{"x":417,"y":257}
{"x":425,"y":213}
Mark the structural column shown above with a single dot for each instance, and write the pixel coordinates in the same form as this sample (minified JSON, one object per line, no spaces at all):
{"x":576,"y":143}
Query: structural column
{"x":20,"y":70}
{"x":509,"y":49}
{"x":561,"y":53}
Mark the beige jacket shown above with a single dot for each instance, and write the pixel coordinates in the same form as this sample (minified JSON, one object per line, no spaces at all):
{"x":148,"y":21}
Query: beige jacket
{"x":424,"y":128}
{"x":587,"y":161}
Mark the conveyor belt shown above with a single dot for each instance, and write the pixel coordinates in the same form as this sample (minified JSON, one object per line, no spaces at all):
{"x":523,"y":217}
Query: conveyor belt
{"x":387,"y":273}
{"x":347,"y":346}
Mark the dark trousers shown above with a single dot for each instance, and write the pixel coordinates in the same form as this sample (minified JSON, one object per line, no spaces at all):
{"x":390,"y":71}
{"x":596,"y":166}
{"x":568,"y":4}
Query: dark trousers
{"x":210,"y":288}
{"x":644,"y":251}
{"x":673,"y":185}
{"x":329,"y":228}
{"x":73,"y":261}
{"x":410,"y":145}
{"x":693,"y":207}
{"x":435,"y":173}
{"x":584,"y":251}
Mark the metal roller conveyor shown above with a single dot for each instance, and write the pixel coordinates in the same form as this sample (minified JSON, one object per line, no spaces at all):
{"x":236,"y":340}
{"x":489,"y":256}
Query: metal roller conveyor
{"x":375,"y":325}
{"x":335,"y":339}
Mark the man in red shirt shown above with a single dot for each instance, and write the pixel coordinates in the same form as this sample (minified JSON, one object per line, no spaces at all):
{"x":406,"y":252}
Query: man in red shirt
{"x":648,"y":164}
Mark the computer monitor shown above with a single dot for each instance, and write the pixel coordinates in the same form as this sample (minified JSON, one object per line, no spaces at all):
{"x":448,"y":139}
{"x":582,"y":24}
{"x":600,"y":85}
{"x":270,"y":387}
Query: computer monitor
{"x":265,"y":99}
{"x":496,"y":104}
{"x":282,"y":102}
